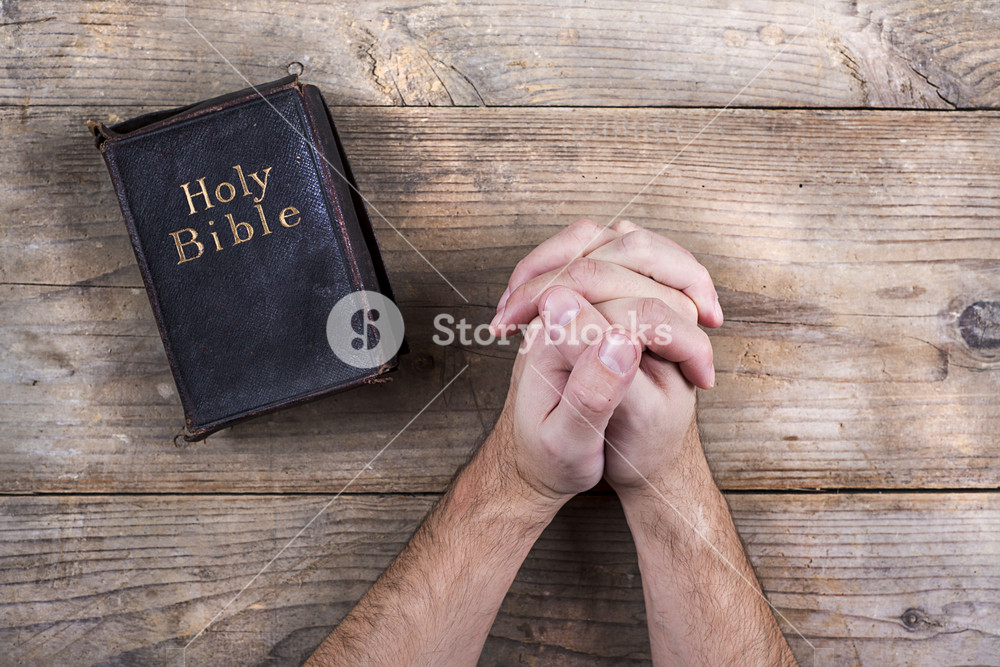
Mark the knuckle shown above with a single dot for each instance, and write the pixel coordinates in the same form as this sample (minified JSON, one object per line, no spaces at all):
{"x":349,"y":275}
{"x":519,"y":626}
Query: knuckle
{"x":703,"y":346}
{"x":589,"y":401}
{"x":701,"y":274}
{"x":688,"y":308}
{"x":653,"y":311}
{"x":583,"y":226}
{"x":638,"y":242}
{"x":584,"y":231}
{"x":583,"y":271}
{"x":621,"y":226}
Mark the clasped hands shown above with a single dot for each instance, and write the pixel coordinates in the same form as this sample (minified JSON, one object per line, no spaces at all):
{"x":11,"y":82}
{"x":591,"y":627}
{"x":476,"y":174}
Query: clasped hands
{"x":604,"y":381}
{"x":603,"y":385}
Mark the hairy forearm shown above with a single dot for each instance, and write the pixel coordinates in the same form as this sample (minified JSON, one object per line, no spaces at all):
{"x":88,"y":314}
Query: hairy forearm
{"x":703,"y":602}
{"x":437,"y":601}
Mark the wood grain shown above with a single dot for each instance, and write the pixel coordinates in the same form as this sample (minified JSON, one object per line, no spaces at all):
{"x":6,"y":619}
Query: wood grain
{"x":867,"y":579}
{"x":846,"y":245}
{"x":771,"y":53}
{"x":856,"y":253}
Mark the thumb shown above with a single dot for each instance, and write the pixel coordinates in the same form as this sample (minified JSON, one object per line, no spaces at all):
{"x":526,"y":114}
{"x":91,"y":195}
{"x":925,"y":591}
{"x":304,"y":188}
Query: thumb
{"x":597,"y":384}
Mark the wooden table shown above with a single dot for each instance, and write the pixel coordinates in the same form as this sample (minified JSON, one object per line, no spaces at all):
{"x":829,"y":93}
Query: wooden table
{"x":834,"y":164}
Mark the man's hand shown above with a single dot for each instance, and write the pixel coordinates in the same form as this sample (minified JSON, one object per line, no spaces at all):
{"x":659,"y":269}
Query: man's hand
{"x":551,"y":430}
{"x":605,"y":263}
{"x":436,"y":603}
{"x":703,"y":602}
{"x":634,"y":279}
{"x":647,"y":437}
{"x":568,"y":398}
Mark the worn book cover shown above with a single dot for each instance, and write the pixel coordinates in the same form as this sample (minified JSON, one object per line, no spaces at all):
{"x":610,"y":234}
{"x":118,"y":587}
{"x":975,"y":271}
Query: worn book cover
{"x":249,"y":231}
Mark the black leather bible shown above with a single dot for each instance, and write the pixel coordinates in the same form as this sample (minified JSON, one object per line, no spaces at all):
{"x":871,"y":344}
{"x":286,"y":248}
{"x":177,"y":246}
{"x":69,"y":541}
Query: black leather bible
{"x":248,"y":230}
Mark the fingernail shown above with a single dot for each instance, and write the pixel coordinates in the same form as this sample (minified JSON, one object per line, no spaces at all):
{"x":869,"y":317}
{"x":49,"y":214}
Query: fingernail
{"x":718,"y":308}
{"x":711,"y":379}
{"x":561,"y":307}
{"x":617,"y":352}
{"x":495,"y":322}
{"x":503,"y":300}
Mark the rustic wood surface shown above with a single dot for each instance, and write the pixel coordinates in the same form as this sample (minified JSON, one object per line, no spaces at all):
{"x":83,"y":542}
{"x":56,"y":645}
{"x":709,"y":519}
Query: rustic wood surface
{"x":844,"y":53}
{"x":856,"y":422}
{"x":867,"y":579}
{"x":843,"y":273}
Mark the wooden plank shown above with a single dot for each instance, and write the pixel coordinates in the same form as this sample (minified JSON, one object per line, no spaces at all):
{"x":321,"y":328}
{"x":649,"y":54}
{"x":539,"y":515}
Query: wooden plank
{"x":89,"y":404}
{"x":90,"y":407}
{"x":846,"y":247}
{"x":867,"y":579}
{"x":773,"y":53}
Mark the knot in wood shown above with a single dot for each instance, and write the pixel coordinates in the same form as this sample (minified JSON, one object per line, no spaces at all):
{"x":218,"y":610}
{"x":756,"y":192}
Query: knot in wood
{"x":980,"y":325}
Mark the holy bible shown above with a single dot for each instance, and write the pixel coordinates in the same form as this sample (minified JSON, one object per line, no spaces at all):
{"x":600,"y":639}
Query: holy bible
{"x":249,"y":230}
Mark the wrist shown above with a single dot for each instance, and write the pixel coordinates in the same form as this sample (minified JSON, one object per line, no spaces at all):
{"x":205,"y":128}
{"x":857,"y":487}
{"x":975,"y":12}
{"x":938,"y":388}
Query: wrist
{"x":670,"y":498}
{"x":498,"y":480}
{"x":680,"y":519}
{"x":681,"y":469}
